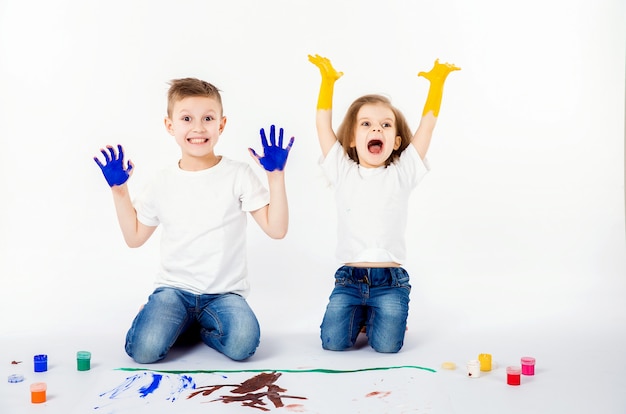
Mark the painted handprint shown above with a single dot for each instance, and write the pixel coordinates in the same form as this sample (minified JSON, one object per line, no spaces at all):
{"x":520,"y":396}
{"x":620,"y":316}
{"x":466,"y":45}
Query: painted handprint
{"x":114,"y":170}
{"x":274,"y":155}
{"x":439,"y":72}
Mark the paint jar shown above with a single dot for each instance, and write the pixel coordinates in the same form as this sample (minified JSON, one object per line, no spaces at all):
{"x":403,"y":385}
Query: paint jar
{"x":473,"y":368}
{"x":83,"y":360}
{"x":513,"y":375}
{"x":485,"y":362}
{"x":38,"y":392}
{"x":41,"y":363}
{"x":528,"y":366}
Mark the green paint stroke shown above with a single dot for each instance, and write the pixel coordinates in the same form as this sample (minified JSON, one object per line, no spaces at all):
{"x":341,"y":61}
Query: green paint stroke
{"x":315,"y":370}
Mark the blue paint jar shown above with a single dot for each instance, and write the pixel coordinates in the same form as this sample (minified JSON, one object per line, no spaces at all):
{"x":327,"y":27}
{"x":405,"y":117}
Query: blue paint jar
{"x":41,"y":363}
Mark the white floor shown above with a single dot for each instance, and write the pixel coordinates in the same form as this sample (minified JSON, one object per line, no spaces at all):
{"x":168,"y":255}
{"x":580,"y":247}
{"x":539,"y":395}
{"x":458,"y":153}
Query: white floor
{"x":580,"y":369}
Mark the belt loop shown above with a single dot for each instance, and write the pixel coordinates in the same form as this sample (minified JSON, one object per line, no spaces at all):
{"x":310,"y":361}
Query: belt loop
{"x":361,"y":275}
{"x":393,"y":276}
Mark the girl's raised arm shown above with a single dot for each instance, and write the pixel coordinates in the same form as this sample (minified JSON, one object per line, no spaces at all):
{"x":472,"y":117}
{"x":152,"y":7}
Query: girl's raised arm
{"x":437,"y":77}
{"x":323,"y":117}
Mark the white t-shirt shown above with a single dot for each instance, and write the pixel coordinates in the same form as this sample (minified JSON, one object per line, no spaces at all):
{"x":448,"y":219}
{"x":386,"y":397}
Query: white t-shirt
{"x":203,"y":218}
{"x":372,"y":205}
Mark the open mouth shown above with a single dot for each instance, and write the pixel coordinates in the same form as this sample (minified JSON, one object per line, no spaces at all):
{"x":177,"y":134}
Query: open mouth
{"x":375,"y":146}
{"x":197,"y":140}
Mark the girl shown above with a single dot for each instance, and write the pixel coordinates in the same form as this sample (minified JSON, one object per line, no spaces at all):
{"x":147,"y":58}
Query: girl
{"x":373,"y":162}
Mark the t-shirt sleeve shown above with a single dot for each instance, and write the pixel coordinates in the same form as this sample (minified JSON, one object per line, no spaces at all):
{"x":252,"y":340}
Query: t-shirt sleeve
{"x":333,"y":163}
{"x":254,"y":195}
{"x":413,"y":165}
{"x":145,"y":207}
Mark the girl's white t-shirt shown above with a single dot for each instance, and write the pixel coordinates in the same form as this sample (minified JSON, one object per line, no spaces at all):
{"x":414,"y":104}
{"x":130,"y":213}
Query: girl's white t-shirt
{"x":372,"y":205}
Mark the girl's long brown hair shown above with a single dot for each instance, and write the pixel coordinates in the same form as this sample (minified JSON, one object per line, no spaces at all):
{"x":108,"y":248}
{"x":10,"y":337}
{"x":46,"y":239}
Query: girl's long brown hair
{"x":346,"y":131}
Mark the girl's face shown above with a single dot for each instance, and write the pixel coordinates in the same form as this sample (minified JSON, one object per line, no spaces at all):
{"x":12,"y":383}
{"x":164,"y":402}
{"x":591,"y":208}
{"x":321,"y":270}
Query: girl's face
{"x":375,"y":135}
{"x":196,"y":124}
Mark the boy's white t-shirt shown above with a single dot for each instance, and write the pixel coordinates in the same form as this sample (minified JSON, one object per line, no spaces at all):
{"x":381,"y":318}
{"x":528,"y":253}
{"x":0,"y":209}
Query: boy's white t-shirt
{"x":203,"y":220}
{"x":372,"y":205}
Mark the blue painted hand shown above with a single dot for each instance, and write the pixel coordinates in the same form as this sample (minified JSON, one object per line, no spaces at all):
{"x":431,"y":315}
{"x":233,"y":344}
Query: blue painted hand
{"x":274,"y":156}
{"x":113,"y":169}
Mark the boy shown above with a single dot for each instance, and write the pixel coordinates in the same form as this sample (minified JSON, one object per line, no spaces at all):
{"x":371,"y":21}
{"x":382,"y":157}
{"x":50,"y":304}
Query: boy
{"x":201,"y":204}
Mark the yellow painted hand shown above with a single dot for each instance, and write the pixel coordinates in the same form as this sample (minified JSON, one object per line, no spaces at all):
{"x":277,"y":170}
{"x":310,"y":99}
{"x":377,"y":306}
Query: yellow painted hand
{"x":437,"y":77}
{"x":329,"y":76}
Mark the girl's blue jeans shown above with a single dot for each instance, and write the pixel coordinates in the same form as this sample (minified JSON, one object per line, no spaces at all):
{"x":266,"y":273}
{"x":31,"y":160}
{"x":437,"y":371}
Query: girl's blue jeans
{"x":227,"y":324}
{"x":377,"y":298}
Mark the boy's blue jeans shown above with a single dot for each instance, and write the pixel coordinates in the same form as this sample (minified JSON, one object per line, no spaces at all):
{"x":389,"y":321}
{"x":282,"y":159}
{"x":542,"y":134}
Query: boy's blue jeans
{"x":377,"y":298}
{"x":227,"y":324}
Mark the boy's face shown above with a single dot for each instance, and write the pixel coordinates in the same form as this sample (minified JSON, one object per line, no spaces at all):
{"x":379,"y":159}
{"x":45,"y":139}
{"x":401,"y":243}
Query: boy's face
{"x":196,"y":123}
{"x":375,"y":135}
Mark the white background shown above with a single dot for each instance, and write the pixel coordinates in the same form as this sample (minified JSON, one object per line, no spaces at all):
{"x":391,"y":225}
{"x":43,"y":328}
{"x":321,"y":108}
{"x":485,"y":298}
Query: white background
{"x":520,"y":221}
{"x":522,"y":215}
{"x":516,"y":237}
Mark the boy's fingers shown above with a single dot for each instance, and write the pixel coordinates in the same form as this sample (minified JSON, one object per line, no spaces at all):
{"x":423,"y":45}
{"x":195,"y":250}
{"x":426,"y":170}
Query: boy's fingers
{"x":290,"y":144}
{"x":263,"y":138}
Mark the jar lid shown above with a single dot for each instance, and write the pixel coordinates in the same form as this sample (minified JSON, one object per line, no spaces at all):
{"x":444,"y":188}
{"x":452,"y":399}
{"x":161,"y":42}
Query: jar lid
{"x":514,"y":370}
{"x":528,"y":360}
{"x":14,"y":378}
{"x":448,"y":365}
{"x":38,"y":387}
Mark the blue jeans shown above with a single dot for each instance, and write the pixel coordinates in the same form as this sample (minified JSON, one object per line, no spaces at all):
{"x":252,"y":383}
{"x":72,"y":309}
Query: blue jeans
{"x":377,"y":298}
{"x":227,"y":324}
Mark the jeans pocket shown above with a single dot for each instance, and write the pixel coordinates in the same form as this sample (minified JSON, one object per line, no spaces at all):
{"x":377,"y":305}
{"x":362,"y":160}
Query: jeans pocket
{"x":343,"y":275}
{"x":400,"y":278}
{"x":341,"y":281}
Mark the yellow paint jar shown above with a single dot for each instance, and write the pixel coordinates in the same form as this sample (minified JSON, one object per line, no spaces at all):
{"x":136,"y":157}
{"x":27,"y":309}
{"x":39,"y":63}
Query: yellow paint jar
{"x":485,"y":362}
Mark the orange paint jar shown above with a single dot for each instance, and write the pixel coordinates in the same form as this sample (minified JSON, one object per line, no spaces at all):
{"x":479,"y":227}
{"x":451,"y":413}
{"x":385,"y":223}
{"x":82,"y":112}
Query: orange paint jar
{"x":38,"y":392}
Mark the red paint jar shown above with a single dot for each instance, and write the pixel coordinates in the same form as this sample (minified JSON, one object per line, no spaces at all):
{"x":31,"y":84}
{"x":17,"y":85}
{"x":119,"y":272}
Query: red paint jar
{"x":513,"y":375}
{"x":528,"y":366}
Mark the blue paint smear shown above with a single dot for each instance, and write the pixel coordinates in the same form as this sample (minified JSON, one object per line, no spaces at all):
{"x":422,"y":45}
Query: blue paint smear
{"x":156,"y":380}
{"x":147,"y":383}
{"x":186,"y":382}
{"x":128,"y":382}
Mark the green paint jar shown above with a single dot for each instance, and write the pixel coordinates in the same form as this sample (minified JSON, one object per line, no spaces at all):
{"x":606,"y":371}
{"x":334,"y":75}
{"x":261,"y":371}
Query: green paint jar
{"x":83,"y":360}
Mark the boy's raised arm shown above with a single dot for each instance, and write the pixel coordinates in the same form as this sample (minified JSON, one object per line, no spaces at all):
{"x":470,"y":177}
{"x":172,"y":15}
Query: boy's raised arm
{"x":437,"y":77}
{"x":117,"y":174}
{"x":274,"y":217}
{"x":323,"y":117}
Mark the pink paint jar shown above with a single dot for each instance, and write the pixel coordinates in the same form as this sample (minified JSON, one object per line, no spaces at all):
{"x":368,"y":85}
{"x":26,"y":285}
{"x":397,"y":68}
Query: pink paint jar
{"x":528,"y":366}
{"x":513,"y":375}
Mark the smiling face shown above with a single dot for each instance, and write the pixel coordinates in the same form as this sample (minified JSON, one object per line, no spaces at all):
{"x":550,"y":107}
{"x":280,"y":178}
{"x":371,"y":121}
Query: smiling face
{"x":375,"y":136}
{"x":196,"y":122}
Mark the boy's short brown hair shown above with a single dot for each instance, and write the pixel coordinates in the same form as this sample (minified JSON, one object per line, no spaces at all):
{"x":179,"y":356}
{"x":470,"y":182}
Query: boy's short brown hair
{"x":186,"y":87}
